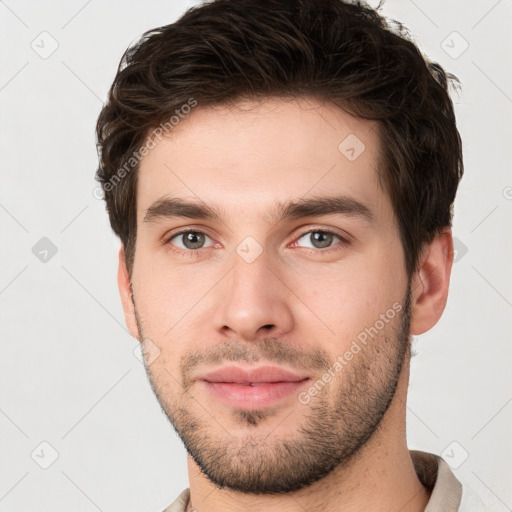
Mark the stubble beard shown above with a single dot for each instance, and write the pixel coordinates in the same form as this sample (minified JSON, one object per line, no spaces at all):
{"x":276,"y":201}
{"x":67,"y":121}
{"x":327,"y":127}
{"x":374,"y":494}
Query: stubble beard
{"x":336,"y":425}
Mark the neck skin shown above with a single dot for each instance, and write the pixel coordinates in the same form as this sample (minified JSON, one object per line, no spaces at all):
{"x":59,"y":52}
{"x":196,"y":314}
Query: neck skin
{"x":380,"y":478}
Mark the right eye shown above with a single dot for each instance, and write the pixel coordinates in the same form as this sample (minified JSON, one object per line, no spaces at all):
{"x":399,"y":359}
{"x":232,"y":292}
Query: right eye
{"x":191,"y":241}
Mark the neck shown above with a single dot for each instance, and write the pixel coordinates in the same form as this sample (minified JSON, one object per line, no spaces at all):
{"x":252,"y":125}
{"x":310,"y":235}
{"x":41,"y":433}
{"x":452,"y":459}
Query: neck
{"x":381,"y":477}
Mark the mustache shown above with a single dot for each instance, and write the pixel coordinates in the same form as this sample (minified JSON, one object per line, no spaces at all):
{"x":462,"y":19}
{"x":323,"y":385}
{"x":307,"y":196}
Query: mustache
{"x":268,"y":349}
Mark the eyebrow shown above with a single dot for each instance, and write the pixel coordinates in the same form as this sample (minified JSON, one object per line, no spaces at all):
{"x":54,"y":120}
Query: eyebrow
{"x":166,"y":208}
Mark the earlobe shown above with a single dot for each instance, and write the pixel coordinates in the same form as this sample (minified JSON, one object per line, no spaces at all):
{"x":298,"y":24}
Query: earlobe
{"x":125,"y":290}
{"x":431,"y":282}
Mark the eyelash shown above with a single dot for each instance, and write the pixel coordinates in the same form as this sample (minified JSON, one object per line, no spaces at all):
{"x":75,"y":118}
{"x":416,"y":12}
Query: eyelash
{"x":194,"y":252}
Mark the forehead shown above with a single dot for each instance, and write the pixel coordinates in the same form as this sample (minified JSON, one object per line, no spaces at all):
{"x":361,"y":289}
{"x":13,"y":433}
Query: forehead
{"x":257,"y":154}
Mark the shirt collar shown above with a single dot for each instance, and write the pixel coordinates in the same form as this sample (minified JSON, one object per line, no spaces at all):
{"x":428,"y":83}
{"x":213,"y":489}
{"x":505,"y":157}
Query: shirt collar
{"x":435,"y":474}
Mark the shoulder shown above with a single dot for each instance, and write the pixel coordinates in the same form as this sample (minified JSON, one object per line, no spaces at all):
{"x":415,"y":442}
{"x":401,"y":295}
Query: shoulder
{"x":180,"y":504}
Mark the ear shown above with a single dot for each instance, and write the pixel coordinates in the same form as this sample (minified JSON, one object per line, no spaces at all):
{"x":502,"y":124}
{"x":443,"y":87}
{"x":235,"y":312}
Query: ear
{"x":430,"y":283}
{"x":123,"y":282}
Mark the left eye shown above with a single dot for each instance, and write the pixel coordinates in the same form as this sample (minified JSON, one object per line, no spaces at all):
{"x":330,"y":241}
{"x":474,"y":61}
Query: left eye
{"x":320,"y":239}
{"x":191,"y":240}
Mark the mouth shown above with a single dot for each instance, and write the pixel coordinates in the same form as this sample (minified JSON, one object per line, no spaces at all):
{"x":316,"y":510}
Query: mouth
{"x":252,"y":388}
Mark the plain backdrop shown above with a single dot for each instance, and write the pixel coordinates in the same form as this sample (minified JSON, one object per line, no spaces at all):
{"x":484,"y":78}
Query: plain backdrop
{"x":80,"y":427}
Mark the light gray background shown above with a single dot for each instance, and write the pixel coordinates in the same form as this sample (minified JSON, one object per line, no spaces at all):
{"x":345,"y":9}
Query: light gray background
{"x":69,"y":376}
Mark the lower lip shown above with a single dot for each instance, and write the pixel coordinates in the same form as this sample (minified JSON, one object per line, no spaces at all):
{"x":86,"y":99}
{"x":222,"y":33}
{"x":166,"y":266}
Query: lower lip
{"x":252,"y":397}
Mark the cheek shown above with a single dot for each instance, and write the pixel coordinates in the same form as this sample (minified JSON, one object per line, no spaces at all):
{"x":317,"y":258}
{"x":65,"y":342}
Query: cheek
{"x":160,"y":299}
{"x":333,"y":303}
{"x":351,"y":295}
{"x":171,"y":301}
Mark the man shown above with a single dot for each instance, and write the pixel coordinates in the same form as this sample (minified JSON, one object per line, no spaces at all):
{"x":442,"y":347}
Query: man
{"x":282,"y":178}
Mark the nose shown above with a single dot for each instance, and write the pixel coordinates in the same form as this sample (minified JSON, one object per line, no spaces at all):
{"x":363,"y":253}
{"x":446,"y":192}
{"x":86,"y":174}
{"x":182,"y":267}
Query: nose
{"x":253,"y":301}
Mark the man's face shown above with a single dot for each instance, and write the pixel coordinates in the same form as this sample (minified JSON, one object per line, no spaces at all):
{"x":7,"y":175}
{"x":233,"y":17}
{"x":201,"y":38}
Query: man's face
{"x":260,"y":291}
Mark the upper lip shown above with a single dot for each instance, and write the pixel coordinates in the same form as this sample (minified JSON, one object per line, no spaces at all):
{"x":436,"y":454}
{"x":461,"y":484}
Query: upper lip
{"x":239,"y":375}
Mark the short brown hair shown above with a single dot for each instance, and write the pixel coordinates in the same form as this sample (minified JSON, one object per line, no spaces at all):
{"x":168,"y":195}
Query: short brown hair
{"x":227,"y":50}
